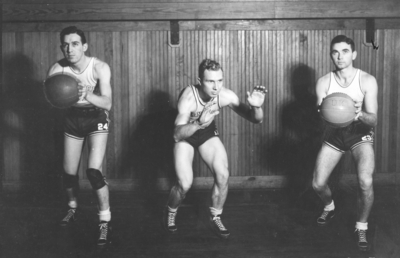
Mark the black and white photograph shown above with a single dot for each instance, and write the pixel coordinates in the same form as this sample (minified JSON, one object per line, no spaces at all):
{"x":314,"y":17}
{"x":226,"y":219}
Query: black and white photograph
{"x":200,"y":129}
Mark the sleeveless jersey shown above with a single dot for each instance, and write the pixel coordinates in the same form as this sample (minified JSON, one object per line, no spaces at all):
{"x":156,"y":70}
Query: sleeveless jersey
{"x":353,"y":90}
{"x":200,"y":104}
{"x":86,"y":77}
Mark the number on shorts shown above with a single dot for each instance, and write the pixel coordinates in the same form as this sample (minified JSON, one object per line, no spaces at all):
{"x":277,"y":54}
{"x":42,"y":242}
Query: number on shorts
{"x":102,"y":127}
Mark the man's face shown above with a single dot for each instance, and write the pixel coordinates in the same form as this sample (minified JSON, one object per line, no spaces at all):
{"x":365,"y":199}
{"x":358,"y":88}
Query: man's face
{"x":212,"y":82}
{"x":342,"y":55}
{"x":72,"y":48}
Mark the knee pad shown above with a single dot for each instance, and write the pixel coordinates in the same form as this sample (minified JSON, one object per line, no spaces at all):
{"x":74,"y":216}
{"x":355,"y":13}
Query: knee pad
{"x":96,"y":178}
{"x":70,"y":181}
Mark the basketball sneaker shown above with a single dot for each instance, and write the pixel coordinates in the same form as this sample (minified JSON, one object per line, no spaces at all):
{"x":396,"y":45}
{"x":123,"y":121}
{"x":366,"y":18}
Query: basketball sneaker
{"x":325,"y":217}
{"x":105,"y":233}
{"x":361,"y":236}
{"x":218,"y":227}
{"x":169,"y":221}
{"x":70,"y":217}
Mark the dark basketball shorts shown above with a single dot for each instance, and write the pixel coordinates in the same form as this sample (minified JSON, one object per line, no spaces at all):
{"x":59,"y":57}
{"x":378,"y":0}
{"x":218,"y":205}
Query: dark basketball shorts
{"x":82,"y":122}
{"x":349,"y":137}
{"x":202,"y":135}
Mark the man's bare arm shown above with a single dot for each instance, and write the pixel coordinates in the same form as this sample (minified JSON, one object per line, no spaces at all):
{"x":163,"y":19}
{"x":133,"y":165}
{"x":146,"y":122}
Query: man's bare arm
{"x":368,"y":115}
{"x":103,"y":101}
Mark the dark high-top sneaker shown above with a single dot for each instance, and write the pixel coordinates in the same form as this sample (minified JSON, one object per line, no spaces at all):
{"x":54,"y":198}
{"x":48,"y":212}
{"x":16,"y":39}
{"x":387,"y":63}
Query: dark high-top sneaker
{"x":325,"y":217}
{"x":69,"y":218}
{"x":104,"y":233}
{"x":169,"y":221}
{"x":361,"y":238}
{"x":218,"y":227}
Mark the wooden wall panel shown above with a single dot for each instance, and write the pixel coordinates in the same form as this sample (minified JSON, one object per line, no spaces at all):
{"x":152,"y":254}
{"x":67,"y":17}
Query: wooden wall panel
{"x":147,"y":76}
{"x":191,"y":10}
{"x":204,"y":25}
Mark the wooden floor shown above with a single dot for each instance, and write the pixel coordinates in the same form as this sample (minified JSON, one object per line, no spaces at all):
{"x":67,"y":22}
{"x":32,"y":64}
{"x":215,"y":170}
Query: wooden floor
{"x":263,"y":223}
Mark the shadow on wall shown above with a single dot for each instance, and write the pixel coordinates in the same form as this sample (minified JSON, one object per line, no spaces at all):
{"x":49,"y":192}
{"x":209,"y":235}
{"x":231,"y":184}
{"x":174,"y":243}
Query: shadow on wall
{"x":294,"y":151}
{"x":150,"y":152}
{"x":32,"y":130}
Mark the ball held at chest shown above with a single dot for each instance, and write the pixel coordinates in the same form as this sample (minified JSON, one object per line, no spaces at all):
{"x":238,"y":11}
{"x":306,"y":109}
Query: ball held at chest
{"x":338,"y":109}
{"x":61,"y":90}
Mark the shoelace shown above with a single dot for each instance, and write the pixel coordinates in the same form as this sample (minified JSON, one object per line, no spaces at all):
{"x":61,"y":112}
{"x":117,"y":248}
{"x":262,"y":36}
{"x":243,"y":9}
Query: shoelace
{"x":171,"y":218}
{"x":218,"y":221}
{"x":362,"y":235}
{"x":71,"y":213}
{"x":103,"y":230}
{"x":324,"y":214}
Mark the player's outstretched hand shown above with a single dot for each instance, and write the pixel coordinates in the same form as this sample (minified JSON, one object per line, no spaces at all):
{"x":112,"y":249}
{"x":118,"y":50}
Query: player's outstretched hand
{"x":256,"y":97}
{"x":209,"y":112}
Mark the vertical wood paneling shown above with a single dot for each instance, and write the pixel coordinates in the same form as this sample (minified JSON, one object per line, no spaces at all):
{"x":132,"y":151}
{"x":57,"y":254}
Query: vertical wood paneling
{"x":119,"y":130}
{"x":385,"y":104}
{"x":397,"y":118}
{"x":379,"y":76}
{"x":143,"y":64}
{"x":392,"y":115}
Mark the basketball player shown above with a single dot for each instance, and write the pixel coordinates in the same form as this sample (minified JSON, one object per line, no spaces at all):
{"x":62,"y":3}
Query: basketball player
{"x":195,"y":129}
{"x":87,"y":119}
{"x":358,"y":137}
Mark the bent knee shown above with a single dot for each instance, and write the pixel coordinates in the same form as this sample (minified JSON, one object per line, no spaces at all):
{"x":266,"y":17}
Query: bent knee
{"x":222,"y":178}
{"x":366,"y":183}
{"x":318,"y":186}
{"x":184,"y":185}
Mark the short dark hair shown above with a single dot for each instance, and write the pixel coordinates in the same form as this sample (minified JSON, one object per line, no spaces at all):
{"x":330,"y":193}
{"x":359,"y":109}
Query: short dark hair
{"x":345,"y":39}
{"x":72,"y":30}
{"x":208,"y":64}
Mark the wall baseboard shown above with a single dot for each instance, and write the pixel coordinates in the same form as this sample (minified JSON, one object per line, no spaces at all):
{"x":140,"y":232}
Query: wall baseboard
{"x":164,"y":184}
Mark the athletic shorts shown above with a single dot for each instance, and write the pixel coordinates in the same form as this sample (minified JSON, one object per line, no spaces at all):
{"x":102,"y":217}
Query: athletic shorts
{"x":202,"y":135}
{"x":82,"y":122}
{"x":349,"y":137}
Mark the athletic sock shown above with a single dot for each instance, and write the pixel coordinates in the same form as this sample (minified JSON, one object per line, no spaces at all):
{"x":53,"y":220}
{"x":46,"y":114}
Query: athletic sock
{"x":215,"y":212}
{"x":330,"y":207}
{"x":105,"y":215}
{"x":362,"y":226}
{"x":172,"y":209}
{"x":73,"y":204}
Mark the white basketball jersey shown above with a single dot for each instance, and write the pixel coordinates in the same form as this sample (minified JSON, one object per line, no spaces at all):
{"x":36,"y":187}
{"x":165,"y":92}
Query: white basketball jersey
{"x":353,"y":90}
{"x":86,"y":77}
{"x":200,"y":104}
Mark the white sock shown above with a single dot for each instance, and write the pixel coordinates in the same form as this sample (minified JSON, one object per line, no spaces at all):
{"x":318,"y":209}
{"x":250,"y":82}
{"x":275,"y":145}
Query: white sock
{"x":330,"y":207}
{"x":215,"y":212}
{"x":172,"y":209}
{"x":105,"y":215}
{"x":361,"y":225}
{"x":73,"y":204}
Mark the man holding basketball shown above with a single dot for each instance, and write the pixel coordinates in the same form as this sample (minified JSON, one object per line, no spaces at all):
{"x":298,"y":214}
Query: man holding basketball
{"x":87,"y":119}
{"x":195,"y":129}
{"x":356,"y":137}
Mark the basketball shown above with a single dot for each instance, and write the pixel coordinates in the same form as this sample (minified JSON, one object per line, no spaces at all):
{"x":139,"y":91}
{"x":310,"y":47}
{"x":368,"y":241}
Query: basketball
{"x":61,"y":90}
{"x":338,"y":109}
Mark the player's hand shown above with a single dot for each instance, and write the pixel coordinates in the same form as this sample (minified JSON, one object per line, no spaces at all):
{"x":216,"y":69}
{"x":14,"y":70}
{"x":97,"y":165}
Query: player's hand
{"x":207,"y":116}
{"x":82,"y":91}
{"x":256,"y":97}
{"x":358,"y":105}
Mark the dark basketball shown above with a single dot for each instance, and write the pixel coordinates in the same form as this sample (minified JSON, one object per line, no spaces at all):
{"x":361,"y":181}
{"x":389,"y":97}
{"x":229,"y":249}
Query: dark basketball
{"x":61,"y":90}
{"x":338,"y":109}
